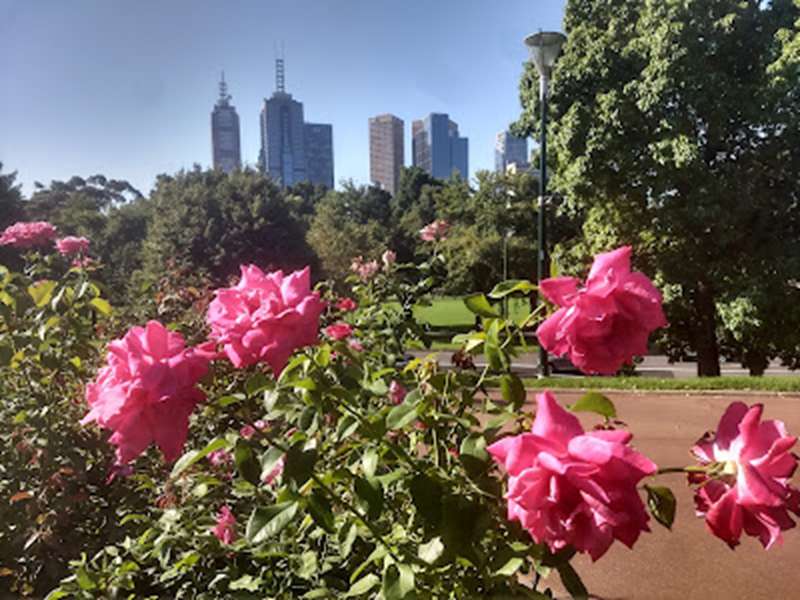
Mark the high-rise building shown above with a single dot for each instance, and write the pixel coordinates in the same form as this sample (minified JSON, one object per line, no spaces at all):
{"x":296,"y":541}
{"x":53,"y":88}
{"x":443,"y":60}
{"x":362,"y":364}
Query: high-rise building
{"x":319,"y":153}
{"x":437,"y":147}
{"x":291,"y":149}
{"x":386,"y":151}
{"x":225,"y":145}
{"x":510,"y":150}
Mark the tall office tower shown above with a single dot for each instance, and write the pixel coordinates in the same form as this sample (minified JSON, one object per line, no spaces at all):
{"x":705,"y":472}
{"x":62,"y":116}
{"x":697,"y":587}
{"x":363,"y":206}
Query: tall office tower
{"x":437,"y":147}
{"x":386,"y":151}
{"x":225,"y":145}
{"x":319,"y":153}
{"x":510,"y":150}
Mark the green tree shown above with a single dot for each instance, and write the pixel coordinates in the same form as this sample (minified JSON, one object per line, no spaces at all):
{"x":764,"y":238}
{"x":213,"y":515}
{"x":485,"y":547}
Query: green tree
{"x":209,"y":221}
{"x":11,"y":208}
{"x":676,"y":127}
{"x":412,"y":207}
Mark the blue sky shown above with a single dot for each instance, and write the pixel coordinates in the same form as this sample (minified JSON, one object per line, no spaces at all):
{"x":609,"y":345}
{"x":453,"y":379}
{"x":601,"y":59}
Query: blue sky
{"x":126,"y":88}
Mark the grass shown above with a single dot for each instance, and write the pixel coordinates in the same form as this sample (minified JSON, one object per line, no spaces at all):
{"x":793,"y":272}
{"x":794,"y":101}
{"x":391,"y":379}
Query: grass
{"x":451,"y":312}
{"x":789,"y":383}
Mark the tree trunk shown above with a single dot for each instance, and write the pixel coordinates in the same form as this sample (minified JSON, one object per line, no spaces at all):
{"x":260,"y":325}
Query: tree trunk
{"x":757,"y":362}
{"x":706,"y":332}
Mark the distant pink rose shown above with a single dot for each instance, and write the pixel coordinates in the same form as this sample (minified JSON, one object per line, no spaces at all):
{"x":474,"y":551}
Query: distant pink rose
{"x":397,"y":393}
{"x":355,"y":345}
{"x":147,"y":390}
{"x":568,"y":487}
{"x":247,"y":431}
{"x":28,"y":235}
{"x":338,"y":331}
{"x":72,"y":245}
{"x":748,"y":487}
{"x":225,"y":529}
{"x":437,"y":230}
{"x":261,"y":424}
{"x":607,"y":322}
{"x":389,"y":258}
{"x":346,"y":304}
{"x":82,"y":262}
{"x":365,"y":270}
{"x":265,"y":317}
{"x":220,"y":458}
{"x":274,"y":473}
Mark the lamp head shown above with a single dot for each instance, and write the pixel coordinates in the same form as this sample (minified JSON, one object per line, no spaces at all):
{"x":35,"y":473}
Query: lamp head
{"x":545,"y":47}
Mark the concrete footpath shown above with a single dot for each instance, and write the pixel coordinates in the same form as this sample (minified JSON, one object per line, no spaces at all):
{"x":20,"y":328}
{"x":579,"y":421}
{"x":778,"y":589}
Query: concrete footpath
{"x":688,"y":562}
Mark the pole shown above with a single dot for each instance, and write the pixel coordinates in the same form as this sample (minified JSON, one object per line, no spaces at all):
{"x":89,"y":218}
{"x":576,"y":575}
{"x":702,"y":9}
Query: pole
{"x":544,"y":365}
{"x":505,"y":271}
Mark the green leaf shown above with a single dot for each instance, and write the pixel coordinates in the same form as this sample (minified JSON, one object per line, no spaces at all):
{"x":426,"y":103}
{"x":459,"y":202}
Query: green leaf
{"x":346,"y":539}
{"x":369,"y":462}
{"x":474,"y":445}
{"x":265,"y":523}
{"x":479,"y":305}
{"x":662,"y":505}
{"x":572,"y":582}
{"x":246,"y":462}
{"x":597,"y":403}
{"x":299,"y":464}
{"x":513,"y":390}
{"x":102,"y":306}
{"x":41,"y":292}
{"x":496,"y":356}
{"x":512,"y":565}
{"x":430,"y":551}
{"x":247,"y":583}
{"x":363,"y":585}
{"x":321,"y":511}
{"x":401,"y":415}
{"x":269,"y":460}
{"x":504,"y":288}
{"x":398,"y":582}
{"x":256,"y":383}
{"x":191,"y":457}
{"x":370,"y":496}
{"x":426,"y":494}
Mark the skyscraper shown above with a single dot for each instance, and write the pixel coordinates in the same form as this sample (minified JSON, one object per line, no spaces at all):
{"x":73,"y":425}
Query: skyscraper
{"x":225,"y":145}
{"x":291,"y":149}
{"x":510,"y":149}
{"x":437,"y":147}
{"x":385,"y":151}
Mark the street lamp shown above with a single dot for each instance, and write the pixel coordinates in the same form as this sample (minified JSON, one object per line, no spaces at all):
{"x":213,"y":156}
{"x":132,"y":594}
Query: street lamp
{"x":544,"y":47}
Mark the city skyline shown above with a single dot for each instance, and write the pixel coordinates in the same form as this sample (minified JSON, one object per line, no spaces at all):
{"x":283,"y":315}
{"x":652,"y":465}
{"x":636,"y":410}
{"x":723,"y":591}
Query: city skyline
{"x":140,"y":107}
{"x":226,"y":147}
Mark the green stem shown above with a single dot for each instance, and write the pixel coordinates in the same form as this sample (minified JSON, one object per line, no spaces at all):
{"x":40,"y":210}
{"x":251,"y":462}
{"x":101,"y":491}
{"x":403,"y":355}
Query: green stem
{"x":690,"y":469}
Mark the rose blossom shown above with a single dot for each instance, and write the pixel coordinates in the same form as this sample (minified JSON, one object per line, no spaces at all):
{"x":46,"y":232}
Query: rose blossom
{"x":219,"y":458}
{"x":247,"y":431}
{"x":265,"y":317}
{"x":28,"y":235}
{"x":568,"y":487}
{"x":389,"y":258}
{"x":225,"y":529}
{"x":346,"y":304}
{"x":274,"y":473}
{"x":338,"y":331}
{"x":365,"y":270}
{"x":355,"y":345}
{"x":397,"y":393}
{"x":147,"y":391}
{"x":437,"y":230}
{"x":72,"y":245}
{"x":749,"y":489}
{"x":605,"y":323}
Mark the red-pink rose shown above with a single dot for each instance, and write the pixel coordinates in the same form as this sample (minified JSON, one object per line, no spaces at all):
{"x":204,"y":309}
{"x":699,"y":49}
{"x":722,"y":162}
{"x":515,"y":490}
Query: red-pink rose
{"x":219,"y":458}
{"x":225,"y":529}
{"x":147,"y":390}
{"x":365,"y":270}
{"x":437,"y":230}
{"x":28,"y":235}
{"x":605,"y":323}
{"x":247,"y":431}
{"x":265,"y":317}
{"x":72,"y":245}
{"x":747,"y":487}
{"x":346,"y":304}
{"x":397,"y":392}
{"x":274,"y":473}
{"x":569,"y":487}
{"x":338,"y":331}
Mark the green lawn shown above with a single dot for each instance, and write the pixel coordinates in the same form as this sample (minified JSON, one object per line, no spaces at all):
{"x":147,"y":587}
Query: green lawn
{"x":788,"y":383}
{"x":451,"y":312}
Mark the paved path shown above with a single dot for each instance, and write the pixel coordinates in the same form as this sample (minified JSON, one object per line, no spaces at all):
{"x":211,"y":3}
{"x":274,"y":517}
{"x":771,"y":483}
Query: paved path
{"x":688,"y":562}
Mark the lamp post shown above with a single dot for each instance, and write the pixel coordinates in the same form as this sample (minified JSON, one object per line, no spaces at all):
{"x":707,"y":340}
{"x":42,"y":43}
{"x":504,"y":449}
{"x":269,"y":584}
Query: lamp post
{"x":544,"y":47}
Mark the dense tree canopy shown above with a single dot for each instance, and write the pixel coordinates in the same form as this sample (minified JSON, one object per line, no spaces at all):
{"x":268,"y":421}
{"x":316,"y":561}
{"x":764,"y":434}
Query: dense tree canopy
{"x":676,"y":127}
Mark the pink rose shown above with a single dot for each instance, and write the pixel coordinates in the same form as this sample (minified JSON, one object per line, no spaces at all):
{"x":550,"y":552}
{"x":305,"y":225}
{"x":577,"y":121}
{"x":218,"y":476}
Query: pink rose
{"x":338,"y":331}
{"x":147,"y":390}
{"x":747,"y":485}
{"x":346,"y":304}
{"x":355,"y":345}
{"x":365,"y":270}
{"x":435,"y":231}
{"x":568,"y":487}
{"x":72,"y":245}
{"x":82,"y":262}
{"x":397,"y":393}
{"x":607,"y":322}
{"x":265,"y":317}
{"x":274,"y":473}
{"x":388,"y":258}
{"x":247,"y":431}
{"x":261,"y":424}
{"x":225,"y":529}
{"x":220,"y":458}
{"x":28,"y":235}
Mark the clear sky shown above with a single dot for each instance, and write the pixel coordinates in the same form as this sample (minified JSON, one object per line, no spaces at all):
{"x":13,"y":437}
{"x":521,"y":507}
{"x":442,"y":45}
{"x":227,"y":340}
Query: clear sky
{"x":125,"y":88}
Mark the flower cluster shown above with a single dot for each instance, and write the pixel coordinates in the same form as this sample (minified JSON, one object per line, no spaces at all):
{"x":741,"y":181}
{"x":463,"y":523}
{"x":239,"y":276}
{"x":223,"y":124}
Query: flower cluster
{"x":265,"y":317}
{"x":435,"y":231}
{"x":28,"y":235}
{"x":70,"y":245}
{"x":604,"y":324}
{"x":147,"y":390}
{"x":365,"y":270}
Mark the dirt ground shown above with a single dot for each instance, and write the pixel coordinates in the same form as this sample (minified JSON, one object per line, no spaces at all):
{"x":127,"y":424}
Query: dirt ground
{"x":688,"y":562}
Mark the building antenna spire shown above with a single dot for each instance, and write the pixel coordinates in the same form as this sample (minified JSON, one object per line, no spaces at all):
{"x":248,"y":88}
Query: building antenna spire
{"x":224,"y":97}
{"x":280,"y":75}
